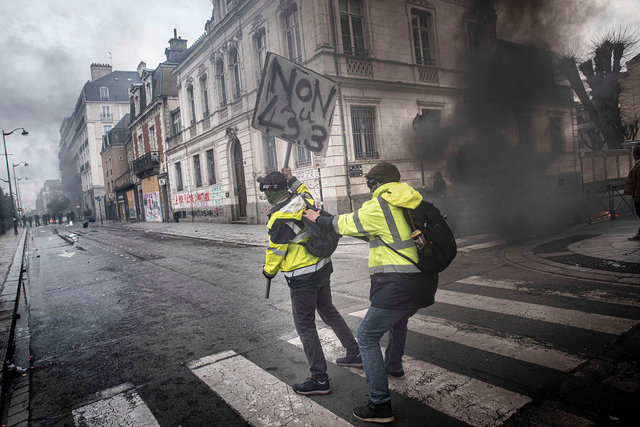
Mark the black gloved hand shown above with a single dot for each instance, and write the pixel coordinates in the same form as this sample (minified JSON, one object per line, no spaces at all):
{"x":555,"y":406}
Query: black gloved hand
{"x":267,"y":275}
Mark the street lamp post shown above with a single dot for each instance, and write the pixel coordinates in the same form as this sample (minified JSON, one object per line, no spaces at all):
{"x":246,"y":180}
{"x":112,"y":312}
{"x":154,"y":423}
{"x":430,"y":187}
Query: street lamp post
{"x":6,"y":158}
{"x":15,"y":183}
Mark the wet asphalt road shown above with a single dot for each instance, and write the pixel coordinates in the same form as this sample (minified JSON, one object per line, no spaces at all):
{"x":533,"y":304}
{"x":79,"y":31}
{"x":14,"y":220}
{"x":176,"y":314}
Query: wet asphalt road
{"x":125,"y":307}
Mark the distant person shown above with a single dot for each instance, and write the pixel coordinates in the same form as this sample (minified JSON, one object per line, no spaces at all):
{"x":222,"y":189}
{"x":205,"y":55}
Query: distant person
{"x":439,"y":186}
{"x":24,"y":220}
{"x":308,"y":277}
{"x":36,"y":217}
{"x":30,"y":219}
{"x":59,"y":217}
{"x":632,"y":186}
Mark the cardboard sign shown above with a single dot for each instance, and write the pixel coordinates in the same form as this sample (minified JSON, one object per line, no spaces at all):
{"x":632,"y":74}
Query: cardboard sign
{"x":295,"y":104}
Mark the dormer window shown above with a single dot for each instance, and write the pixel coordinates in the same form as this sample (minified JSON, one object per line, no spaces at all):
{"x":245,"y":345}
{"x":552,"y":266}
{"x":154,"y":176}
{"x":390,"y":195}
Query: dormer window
{"x":104,"y":93}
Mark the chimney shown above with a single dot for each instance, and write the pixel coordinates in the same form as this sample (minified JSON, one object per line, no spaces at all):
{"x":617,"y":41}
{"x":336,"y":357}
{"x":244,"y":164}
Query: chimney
{"x":99,"y":70}
{"x":176,"y":47}
{"x":142,"y":66}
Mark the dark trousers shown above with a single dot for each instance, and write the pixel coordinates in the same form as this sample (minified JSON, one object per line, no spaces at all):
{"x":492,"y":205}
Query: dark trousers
{"x":305,"y":300}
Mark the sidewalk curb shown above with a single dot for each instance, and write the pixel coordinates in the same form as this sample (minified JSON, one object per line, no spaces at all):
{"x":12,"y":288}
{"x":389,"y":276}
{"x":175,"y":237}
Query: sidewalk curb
{"x":15,"y":410}
{"x":523,"y":256}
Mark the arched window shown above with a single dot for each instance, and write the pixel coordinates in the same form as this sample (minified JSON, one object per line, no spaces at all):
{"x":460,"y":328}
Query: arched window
{"x":222,"y":89}
{"x":235,"y":69}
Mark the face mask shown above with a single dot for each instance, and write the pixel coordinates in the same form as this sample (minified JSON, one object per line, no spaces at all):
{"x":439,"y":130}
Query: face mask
{"x":274,"y":197}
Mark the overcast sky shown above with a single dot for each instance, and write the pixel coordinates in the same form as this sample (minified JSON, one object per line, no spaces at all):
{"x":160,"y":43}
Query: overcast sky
{"x":47,"y":47}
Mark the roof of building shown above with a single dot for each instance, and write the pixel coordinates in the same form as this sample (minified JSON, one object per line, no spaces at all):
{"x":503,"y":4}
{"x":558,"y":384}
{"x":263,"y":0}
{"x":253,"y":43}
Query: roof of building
{"x":118,"y":83}
{"x":123,"y":123}
{"x":634,"y":59}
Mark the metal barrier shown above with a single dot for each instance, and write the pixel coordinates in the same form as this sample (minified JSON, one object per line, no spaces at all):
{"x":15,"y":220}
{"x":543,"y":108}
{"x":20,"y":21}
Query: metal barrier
{"x":606,"y":201}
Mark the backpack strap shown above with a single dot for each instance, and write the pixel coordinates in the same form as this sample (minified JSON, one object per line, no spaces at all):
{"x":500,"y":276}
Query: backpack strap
{"x":402,"y":255}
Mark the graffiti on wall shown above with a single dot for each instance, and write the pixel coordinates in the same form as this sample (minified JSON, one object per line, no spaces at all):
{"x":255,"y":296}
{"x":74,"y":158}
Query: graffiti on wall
{"x":199,"y":199}
{"x":152,"y":210}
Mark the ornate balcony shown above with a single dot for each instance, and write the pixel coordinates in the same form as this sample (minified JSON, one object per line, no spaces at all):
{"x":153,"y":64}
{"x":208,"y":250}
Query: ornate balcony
{"x":146,"y":163}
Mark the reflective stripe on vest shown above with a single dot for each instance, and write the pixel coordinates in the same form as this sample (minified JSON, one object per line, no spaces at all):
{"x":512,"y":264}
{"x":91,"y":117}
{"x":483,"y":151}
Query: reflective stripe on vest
{"x":278,"y":252}
{"x":306,"y":270}
{"x":404,"y":268}
{"x":299,"y":237}
{"x":397,"y":244}
{"x":358,"y":224}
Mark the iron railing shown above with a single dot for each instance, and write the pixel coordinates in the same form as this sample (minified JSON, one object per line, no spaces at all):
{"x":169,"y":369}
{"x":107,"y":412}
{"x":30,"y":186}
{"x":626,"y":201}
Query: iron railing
{"x":145,"y":162}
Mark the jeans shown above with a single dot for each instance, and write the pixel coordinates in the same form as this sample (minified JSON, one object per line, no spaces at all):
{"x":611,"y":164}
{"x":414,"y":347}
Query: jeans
{"x":376,"y":322}
{"x":305,"y":300}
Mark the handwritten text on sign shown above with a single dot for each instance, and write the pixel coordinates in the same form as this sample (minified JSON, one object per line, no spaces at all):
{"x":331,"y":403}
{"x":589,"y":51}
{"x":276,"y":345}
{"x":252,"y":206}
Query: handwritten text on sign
{"x":295,"y":104}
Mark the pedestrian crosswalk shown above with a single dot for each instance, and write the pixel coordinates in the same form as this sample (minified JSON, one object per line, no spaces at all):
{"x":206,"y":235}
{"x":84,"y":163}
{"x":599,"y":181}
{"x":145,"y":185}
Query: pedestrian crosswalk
{"x":264,"y":399}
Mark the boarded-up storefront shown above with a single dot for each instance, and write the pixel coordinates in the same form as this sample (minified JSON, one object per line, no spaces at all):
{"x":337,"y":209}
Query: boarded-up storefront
{"x":151,"y":199}
{"x":131,"y":205}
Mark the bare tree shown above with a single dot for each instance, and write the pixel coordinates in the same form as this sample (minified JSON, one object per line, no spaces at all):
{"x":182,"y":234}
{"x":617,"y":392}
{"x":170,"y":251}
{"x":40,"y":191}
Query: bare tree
{"x":602,"y":75}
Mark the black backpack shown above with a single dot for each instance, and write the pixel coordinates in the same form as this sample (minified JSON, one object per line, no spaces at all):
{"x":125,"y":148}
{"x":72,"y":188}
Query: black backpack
{"x":322,"y":242}
{"x":434,"y":239}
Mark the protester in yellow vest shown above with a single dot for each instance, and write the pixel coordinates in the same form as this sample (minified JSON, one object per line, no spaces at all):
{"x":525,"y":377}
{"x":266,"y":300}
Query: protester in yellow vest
{"x":308,"y":277}
{"x":398,"y":288}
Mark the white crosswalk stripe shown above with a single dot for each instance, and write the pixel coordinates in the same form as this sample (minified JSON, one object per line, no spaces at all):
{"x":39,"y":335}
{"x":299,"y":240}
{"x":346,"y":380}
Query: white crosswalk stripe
{"x":259,"y":397}
{"x":465,"y":398}
{"x":124,"y":408}
{"x":573,"y":318}
{"x":516,"y":347}
{"x":599,"y":295}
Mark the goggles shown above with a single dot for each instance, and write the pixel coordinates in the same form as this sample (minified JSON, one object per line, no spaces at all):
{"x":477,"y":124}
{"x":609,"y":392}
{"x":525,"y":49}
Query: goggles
{"x":271,"y":187}
{"x":372,"y":183}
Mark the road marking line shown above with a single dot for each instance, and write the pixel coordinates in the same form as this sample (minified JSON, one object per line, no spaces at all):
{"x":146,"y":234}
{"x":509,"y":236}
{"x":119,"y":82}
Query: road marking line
{"x":467,"y":399}
{"x":125,"y":408}
{"x":259,"y":397}
{"x":514,"y":346}
{"x":573,"y":318}
{"x":482,"y":245}
{"x":520,"y":285}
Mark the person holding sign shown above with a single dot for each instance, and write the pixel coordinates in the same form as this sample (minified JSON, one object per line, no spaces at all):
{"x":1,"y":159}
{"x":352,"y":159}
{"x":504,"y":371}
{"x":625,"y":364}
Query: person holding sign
{"x":308,"y":277}
{"x":398,"y":287}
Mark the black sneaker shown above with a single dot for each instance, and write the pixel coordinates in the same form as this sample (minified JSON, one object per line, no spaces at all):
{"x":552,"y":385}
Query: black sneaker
{"x":636,"y":237}
{"x":398,"y":374}
{"x":311,"y":386}
{"x":373,"y":413}
{"x":351,"y":361}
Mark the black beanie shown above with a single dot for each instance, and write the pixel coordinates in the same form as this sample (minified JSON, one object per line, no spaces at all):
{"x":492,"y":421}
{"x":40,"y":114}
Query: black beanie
{"x":384,"y":172}
{"x":274,"y":181}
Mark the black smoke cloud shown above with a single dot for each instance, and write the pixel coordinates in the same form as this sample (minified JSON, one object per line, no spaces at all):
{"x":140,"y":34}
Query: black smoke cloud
{"x":506,"y":186}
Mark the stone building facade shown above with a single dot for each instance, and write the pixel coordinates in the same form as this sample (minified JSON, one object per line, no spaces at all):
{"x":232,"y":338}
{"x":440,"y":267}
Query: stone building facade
{"x":152,"y":104}
{"x":399,"y":65}
{"x":103,"y":101}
